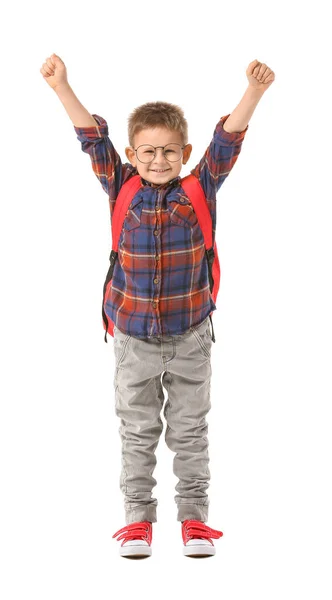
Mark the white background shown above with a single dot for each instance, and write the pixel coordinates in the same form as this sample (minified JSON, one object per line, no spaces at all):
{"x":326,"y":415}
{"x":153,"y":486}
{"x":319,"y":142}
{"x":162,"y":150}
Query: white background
{"x":270,"y":424}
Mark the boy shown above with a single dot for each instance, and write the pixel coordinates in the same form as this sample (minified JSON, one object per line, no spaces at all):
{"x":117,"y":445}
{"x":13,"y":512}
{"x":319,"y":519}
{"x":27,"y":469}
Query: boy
{"x":159,"y":299}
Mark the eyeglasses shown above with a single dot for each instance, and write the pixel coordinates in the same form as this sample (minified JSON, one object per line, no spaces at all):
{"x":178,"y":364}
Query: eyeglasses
{"x":146,"y":153}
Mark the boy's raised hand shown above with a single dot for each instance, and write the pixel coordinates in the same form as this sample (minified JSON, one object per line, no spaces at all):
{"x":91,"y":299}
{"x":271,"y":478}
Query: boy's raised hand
{"x":259,"y":75}
{"x":54,"y":71}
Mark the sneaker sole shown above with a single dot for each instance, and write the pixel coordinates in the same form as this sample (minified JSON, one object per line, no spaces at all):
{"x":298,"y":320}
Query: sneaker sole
{"x":199,"y":551}
{"x":136,"y":552}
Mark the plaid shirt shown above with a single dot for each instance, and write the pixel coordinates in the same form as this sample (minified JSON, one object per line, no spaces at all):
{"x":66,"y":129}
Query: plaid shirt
{"x":160,"y":281}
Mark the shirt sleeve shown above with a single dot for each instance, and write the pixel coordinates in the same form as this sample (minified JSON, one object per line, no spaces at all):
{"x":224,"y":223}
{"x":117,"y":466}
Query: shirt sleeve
{"x":106,"y":162}
{"x":218,"y":159}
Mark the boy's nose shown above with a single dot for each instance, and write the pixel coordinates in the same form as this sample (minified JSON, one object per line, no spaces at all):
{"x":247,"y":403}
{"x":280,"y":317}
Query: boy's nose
{"x":159,"y":156}
{"x":161,"y":153}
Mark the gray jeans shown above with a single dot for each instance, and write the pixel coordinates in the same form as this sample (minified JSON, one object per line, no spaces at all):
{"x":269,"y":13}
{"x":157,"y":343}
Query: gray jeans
{"x":182,"y":364}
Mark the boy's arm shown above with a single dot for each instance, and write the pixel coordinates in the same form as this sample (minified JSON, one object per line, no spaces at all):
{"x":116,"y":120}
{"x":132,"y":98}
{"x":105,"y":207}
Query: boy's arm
{"x":218,"y":159}
{"x":79,"y":115}
{"x":92,"y":132}
{"x":105,"y":161}
{"x":260,"y":78}
{"x":242,"y":114}
{"x":222,"y":154}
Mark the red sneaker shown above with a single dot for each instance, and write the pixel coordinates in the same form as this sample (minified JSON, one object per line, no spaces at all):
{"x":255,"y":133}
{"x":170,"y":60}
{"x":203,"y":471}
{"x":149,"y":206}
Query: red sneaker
{"x":136,"y":538}
{"x":197,"y":538}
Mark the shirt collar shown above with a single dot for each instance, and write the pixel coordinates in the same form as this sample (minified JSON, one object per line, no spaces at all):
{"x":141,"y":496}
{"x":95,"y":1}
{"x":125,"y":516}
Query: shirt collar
{"x":170,"y":183}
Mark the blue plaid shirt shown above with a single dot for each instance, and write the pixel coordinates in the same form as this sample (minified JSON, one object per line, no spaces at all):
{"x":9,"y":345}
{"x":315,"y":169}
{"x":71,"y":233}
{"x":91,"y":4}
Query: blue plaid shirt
{"x":160,"y":283}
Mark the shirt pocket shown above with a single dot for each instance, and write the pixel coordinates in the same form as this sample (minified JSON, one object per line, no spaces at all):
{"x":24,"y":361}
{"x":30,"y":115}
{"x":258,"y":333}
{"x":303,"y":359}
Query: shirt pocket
{"x":133,"y":214}
{"x":181,"y":211}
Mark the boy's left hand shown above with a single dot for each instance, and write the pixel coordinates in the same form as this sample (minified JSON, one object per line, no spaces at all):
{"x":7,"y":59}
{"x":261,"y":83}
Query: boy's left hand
{"x":259,"y":75}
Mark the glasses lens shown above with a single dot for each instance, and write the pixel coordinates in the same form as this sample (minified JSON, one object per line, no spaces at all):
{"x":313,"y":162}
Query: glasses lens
{"x":173,"y":152}
{"x":145,"y":153}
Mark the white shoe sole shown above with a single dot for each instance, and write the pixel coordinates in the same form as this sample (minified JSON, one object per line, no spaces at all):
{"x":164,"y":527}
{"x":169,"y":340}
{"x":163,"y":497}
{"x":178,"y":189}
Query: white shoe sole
{"x":135,"y":551}
{"x":199,"y":551}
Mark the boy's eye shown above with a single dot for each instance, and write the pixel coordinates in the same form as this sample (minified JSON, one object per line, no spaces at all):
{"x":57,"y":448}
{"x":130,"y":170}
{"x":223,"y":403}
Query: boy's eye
{"x":169,"y":151}
{"x":148,"y":151}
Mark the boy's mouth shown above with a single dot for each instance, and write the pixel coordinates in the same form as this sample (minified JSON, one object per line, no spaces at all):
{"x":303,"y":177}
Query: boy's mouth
{"x":159,"y":170}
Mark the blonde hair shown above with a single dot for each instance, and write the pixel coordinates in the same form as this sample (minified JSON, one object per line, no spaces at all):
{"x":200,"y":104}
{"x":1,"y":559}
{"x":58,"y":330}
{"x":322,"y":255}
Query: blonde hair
{"x":157,"y":114}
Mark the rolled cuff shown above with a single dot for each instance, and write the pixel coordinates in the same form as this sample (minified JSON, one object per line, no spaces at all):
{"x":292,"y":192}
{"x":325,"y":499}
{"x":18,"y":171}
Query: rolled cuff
{"x":224,"y":138}
{"x":90,"y":133}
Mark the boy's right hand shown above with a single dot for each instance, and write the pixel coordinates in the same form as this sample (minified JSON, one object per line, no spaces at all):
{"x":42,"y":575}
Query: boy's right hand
{"x":54,"y":71}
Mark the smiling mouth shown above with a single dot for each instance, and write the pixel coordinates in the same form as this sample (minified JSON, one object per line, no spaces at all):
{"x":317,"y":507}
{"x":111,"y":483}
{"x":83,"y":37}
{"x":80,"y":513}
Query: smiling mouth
{"x":159,"y":170}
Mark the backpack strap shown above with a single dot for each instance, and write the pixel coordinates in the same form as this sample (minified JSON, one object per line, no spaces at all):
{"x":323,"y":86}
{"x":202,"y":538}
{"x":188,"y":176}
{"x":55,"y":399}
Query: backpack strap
{"x":193,"y":189}
{"x":124,"y":198}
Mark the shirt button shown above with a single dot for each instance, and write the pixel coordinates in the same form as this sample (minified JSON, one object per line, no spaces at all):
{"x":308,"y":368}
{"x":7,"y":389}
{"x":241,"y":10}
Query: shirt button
{"x":154,"y":304}
{"x":156,"y":232}
{"x":157,"y":208}
{"x":155,"y":280}
{"x":157,"y":257}
{"x":182,"y":200}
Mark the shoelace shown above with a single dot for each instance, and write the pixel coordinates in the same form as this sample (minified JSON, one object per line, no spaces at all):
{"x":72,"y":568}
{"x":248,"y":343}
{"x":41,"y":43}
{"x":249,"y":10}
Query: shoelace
{"x":196,"y":529}
{"x":141,"y":530}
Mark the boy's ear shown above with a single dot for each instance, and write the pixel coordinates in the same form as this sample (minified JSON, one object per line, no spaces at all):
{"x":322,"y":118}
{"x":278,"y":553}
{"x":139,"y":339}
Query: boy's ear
{"x":186,"y":153}
{"x":131,"y":155}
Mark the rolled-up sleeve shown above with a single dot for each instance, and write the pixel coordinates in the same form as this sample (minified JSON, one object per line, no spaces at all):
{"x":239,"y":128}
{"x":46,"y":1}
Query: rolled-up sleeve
{"x":219,"y":158}
{"x":106,"y":162}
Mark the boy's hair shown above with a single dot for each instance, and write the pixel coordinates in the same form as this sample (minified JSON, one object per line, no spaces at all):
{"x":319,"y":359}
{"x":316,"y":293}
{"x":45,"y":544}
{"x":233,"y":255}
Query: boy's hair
{"x":157,"y":114}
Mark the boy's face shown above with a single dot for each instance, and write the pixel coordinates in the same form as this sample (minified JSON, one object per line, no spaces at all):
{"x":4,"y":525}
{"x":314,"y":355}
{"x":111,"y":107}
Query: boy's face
{"x":160,"y":170}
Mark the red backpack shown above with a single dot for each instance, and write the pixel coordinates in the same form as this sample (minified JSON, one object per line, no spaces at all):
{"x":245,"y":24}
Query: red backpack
{"x":195,"y":193}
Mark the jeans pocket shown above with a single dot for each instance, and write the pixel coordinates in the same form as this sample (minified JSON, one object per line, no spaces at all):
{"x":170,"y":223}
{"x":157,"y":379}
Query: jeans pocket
{"x":203,"y":337}
{"x":121,"y":341}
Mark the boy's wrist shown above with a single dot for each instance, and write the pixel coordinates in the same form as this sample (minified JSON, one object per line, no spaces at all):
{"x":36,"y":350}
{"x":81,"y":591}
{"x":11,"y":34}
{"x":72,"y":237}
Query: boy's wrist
{"x":62,"y":87}
{"x":255,"y":91}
